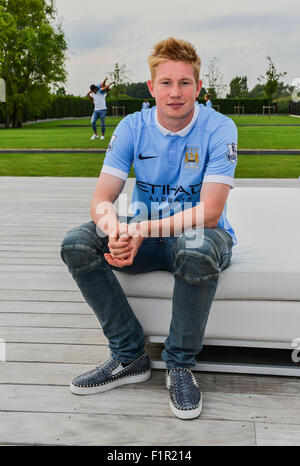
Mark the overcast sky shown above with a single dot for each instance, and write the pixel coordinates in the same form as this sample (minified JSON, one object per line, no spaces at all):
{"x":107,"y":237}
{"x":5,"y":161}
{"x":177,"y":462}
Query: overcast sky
{"x":239,"y":33}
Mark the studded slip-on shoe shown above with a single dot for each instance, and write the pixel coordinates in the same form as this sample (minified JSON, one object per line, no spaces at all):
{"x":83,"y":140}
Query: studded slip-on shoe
{"x":185,"y":395}
{"x":111,"y":374}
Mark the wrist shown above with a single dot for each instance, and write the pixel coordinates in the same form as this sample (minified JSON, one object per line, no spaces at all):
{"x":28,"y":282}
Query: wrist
{"x":144,"y":228}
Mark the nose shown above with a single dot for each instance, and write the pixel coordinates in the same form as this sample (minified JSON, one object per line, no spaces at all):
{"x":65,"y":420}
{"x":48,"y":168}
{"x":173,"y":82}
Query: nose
{"x":175,"y":90}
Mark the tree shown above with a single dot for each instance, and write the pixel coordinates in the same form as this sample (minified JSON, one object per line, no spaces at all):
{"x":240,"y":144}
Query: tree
{"x":61,"y":91}
{"x":121,"y":76}
{"x":257,"y":92}
{"x":138,"y":90}
{"x":32,"y":55}
{"x":214,"y":81}
{"x":238,"y":87}
{"x":283,"y":90}
{"x":271,"y":79}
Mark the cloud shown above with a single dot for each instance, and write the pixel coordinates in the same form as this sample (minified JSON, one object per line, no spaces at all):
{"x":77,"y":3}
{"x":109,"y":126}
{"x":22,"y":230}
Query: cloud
{"x":93,"y":33}
{"x":274,"y":20}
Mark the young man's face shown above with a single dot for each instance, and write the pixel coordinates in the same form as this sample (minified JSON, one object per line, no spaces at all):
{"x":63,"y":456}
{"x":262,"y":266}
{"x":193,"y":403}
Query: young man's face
{"x":175,"y":91}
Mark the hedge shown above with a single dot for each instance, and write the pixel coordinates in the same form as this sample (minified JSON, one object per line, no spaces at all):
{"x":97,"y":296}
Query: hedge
{"x":72,"y":106}
{"x":294,"y":108}
{"x":252,"y":106}
{"x":58,"y":107}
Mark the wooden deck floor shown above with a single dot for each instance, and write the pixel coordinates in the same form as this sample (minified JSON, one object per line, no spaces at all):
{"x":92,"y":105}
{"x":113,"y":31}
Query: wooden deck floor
{"x":51,"y":336}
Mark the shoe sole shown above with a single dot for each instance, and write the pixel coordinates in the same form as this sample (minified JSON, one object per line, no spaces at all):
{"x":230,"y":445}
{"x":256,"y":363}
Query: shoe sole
{"x":184,"y":413}
{"x":108,"y":386}
{"x":188,"y":413}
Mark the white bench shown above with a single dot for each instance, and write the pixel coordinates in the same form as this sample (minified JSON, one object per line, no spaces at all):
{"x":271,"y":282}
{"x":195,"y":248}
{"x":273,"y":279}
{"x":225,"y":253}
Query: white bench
{"x":257,"y":303}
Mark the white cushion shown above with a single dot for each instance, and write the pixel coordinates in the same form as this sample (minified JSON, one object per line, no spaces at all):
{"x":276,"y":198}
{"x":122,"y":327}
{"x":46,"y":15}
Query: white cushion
{"x":266,"y":261}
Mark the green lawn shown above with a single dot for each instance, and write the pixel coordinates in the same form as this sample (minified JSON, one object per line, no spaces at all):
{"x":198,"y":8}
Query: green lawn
{"x":89,"y":165}
{"x":51,"y":135}
{"x":260,"y":120}
{"x":257,"y":137}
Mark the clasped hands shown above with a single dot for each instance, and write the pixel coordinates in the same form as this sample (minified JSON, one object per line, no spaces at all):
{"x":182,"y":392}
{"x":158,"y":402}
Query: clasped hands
{"x":124,"y":244}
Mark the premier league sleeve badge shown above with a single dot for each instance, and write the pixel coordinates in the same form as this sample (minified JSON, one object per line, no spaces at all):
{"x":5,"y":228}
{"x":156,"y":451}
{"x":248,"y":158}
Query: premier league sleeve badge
{"x":232,"y":152}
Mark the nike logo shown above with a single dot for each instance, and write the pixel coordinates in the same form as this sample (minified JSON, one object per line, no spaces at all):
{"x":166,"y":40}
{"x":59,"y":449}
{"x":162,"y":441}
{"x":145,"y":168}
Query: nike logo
{"x":140,"y":157}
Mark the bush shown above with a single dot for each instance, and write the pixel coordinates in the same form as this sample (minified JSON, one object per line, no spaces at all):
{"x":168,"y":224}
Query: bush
{"x":252,"y":106}
{"x":61,"y":106}
{"x":283,"y":105}
{"x":294,"y":108}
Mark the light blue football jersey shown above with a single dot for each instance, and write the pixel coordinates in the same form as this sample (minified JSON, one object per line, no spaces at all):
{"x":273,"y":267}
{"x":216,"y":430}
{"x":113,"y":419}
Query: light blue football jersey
{"x":170,"y":167}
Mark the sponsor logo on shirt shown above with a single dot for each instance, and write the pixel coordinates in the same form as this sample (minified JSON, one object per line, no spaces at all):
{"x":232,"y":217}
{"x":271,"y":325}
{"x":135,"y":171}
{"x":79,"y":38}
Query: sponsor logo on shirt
{"x":191,"y":158}
{"x":141,"y":157}
{"x":232,"y":153}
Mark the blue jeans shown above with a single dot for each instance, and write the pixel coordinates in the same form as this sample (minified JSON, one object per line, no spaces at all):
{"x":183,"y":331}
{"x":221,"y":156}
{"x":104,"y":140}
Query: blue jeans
{"x":196,"y":271}
{"x":99,"y":114}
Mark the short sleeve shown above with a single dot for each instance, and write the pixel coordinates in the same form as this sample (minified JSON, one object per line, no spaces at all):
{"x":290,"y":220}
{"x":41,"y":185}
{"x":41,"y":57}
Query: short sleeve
{"x":119,"y":154}
{"x":222,"y":154}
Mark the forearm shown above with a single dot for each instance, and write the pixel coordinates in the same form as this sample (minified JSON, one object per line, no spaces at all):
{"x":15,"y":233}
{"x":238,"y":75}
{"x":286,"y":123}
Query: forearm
{"x":105,"y":217}
{"x":89,"y":95}
{"x":198,"y":216}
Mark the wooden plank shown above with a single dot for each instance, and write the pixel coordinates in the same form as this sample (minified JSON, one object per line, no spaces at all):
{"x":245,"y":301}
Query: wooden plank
{"x":67,"y":429}
{"x":41,"y":295}
{"x":251,"y":384}
{"x":135,"y":398}
{"x":17,"y":320}
{"x":68,"y":336}
{"x":37,"y":280}
{"x":277,"y":434}
{"x":63,"y":353}
{"x":35,"y":269}
{"x":42,"y":373}
{"x":123,"y":400}
{"x":61,"y":374}
{"x":258,"y":408}
{"x":55,"y":260}
{"x":43,"y":307}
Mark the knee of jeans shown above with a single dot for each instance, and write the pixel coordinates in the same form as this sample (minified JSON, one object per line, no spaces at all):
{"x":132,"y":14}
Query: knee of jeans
{"x":195,"y":259}
{"x":79,"y":249}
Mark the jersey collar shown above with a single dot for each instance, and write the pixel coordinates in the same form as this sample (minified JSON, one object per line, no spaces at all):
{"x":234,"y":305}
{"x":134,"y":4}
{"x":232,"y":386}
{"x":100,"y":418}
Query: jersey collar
{"x":184,"y":131}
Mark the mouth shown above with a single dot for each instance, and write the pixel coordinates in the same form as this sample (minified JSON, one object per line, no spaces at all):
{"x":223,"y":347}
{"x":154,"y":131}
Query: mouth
{"x":176,"y":104}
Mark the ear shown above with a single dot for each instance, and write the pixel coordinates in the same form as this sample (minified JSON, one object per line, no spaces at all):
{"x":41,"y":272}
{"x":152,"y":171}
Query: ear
{"x":151,"y":88}
{"x":200,"y":82}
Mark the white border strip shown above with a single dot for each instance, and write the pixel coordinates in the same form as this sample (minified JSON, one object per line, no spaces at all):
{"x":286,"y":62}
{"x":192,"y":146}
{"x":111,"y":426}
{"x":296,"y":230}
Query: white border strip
{"x":219,"y":179}
{"x":115,"y":172}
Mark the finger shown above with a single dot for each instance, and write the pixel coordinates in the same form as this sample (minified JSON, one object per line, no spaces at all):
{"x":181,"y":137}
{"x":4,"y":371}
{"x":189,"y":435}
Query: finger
{"x":117,"y":262}
{"x":117,"y":244}
{"x":118,"y":252}
{"x":123,"y":255}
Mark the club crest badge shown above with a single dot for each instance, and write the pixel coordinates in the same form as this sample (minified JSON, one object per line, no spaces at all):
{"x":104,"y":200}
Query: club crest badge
{"x":192,"y":157}
{"x":232,"y":152}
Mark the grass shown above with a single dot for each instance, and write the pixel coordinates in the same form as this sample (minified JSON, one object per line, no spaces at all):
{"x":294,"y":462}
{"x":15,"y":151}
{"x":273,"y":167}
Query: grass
{"x":269,"y":137}
{"x":79,"y":165}
{"x":260,"y":120}
{"x":89,"y":165}
{"x":51,"y":135}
